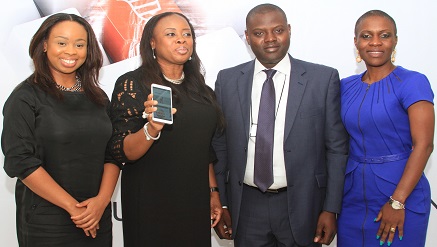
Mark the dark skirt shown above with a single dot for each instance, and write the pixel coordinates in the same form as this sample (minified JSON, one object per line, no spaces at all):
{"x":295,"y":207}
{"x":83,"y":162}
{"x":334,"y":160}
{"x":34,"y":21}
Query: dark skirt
{"x":46,"y":225}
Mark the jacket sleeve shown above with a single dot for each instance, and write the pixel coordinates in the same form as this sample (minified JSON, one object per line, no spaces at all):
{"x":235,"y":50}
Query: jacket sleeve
{"x":337,"y":146}
{"x":219,"y":145}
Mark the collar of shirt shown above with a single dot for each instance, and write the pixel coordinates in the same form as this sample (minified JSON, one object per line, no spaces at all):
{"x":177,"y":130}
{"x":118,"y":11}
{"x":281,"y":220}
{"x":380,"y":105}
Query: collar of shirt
{"x":284,"y":67}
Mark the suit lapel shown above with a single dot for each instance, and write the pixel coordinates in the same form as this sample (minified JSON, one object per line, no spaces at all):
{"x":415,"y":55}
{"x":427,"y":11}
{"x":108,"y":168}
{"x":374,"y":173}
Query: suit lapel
{"x":244,"y":87}
{"x":295,"y":93}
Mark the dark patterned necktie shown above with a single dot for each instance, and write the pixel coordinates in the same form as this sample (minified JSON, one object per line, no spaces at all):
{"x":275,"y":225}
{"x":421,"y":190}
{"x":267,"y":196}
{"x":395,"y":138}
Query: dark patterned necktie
{"x":263,"y":171}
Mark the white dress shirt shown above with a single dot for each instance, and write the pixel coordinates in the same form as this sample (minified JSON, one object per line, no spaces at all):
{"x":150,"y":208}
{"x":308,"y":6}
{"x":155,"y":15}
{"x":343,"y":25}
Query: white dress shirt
{"x":281,"y":80}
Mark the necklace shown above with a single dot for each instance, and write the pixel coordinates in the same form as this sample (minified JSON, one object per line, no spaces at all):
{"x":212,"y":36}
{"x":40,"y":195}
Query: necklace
{"x":75,"y":88}
{"x":175,"y":81}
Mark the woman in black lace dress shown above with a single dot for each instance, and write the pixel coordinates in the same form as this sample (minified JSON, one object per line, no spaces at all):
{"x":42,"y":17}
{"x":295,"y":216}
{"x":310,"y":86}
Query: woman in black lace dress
{"x":168,"y":184}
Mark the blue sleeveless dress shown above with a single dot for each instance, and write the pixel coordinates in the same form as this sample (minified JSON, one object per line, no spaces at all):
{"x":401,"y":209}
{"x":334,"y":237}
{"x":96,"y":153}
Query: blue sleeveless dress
{"x":376,"y":118}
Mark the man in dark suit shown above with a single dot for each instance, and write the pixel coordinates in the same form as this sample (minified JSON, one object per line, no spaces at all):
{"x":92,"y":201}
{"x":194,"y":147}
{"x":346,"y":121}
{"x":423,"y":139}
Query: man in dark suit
{"x":287,"y":192}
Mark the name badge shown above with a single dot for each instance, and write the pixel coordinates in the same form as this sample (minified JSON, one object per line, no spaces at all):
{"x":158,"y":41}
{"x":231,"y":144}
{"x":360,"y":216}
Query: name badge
{"x":253,"y":128}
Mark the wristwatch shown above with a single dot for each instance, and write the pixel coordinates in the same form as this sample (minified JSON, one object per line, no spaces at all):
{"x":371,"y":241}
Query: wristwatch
{"x":214,"y":189}
{"x":395,"y":204}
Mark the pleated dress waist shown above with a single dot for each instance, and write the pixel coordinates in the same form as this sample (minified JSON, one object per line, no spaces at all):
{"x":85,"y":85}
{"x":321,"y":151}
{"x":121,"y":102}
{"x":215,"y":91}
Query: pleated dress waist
{"x":380,"y":159}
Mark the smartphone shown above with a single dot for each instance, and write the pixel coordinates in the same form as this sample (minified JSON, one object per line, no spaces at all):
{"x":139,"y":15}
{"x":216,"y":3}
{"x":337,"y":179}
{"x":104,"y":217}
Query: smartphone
{"x":162,"y":94}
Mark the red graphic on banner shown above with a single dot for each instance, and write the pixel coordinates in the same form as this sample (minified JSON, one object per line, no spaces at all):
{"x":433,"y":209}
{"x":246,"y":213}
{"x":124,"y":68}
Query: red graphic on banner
{"x":124,"y":23}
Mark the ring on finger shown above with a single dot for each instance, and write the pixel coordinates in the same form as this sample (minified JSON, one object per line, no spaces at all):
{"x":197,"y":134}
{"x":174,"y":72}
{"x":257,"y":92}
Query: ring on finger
{"x":393,"y":229}
{"x":145,"y":115}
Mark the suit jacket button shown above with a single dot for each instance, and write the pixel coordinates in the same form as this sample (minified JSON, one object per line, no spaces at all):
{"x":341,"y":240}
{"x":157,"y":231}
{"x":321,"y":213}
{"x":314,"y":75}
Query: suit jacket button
{"x":240,"y":183}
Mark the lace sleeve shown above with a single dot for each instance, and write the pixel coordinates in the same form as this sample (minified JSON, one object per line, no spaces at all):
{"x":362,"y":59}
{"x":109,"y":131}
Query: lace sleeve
{"x":127,"y":106}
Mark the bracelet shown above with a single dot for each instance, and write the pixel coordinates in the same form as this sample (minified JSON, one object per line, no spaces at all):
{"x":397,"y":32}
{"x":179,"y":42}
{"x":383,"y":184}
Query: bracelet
{"x":214,"y":189}
{"x":148,"y":136}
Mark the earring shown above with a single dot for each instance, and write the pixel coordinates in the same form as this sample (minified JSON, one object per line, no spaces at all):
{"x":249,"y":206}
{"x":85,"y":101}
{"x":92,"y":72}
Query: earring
{"x":189,"y":58}
{"x":358,"y":58}
{"x":393,"y":56}
{"x":153,"y":53}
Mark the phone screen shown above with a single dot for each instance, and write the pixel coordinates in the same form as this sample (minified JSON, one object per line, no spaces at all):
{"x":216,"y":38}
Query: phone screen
{"x":162,"y":94}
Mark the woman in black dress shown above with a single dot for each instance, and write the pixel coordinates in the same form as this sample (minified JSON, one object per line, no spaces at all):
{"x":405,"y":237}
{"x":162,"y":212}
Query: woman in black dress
{"x":55,"y":133}
{"x":168,"y":187}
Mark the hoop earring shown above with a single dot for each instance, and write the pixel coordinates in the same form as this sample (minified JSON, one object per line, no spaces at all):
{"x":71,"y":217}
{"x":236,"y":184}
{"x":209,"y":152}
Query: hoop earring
{"x":153,"y":53}
{"x":393,"y":56}
{"x":358,"y":58}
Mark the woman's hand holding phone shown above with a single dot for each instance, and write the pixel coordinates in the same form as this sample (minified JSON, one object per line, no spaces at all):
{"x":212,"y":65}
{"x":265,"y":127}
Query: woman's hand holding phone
{"x":149,"y":108}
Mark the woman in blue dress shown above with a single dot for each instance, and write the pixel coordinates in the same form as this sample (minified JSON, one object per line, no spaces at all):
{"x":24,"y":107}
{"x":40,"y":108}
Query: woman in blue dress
{"x":389,"y":114}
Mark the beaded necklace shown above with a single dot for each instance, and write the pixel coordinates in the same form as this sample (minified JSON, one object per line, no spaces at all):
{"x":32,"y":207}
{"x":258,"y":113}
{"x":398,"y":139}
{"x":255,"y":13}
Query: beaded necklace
{"x":75,"y":88}
{"x":175,"y":81}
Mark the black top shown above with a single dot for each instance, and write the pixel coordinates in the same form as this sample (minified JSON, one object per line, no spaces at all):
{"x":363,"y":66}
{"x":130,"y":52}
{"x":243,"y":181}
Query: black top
{"x":68,"y":138}
{"x":165,"y":194}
